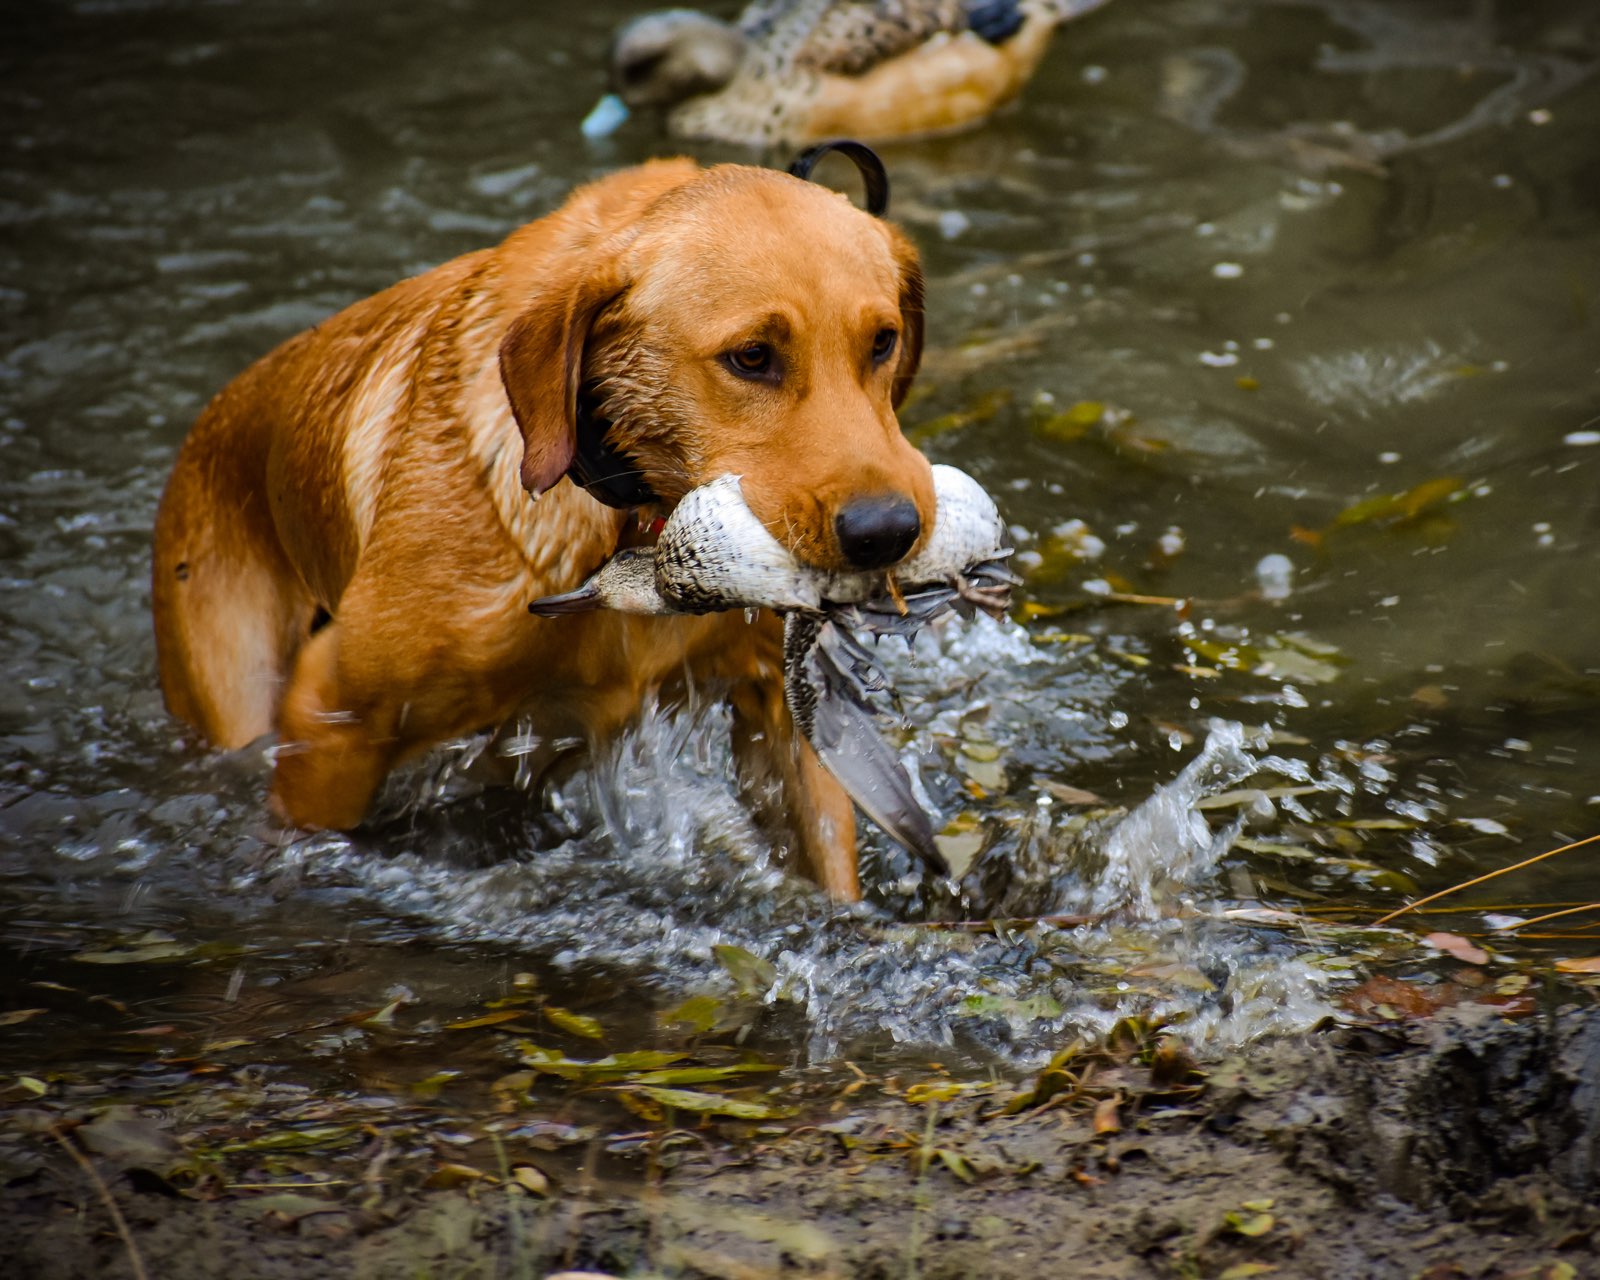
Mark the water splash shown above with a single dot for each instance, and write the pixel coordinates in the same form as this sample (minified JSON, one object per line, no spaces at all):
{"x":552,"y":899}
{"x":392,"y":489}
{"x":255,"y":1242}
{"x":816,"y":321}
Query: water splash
{"x":1165,"y":845}
{"x":652,"y":862}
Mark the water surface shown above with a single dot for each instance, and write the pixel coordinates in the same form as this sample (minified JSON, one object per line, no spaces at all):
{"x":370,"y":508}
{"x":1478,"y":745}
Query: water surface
{"x":1273,"y":326}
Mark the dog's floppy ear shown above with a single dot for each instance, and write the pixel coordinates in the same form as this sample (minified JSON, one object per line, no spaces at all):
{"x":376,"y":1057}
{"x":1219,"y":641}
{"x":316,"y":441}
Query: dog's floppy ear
{"x":541,"y":364}
{"x":905,"y":254}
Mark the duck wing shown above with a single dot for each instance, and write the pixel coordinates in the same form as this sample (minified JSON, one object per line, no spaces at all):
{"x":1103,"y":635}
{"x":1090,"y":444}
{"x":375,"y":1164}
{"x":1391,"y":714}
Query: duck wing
{"x":827,"y":677}
{"x":851,"y":37}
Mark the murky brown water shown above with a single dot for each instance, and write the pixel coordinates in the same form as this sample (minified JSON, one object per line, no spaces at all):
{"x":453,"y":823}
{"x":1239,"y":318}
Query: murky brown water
{"x":1230,"y":270}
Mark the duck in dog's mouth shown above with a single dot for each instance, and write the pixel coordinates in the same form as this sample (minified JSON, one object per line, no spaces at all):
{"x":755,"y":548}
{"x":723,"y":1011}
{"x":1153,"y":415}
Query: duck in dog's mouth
{"x":713,"y":554}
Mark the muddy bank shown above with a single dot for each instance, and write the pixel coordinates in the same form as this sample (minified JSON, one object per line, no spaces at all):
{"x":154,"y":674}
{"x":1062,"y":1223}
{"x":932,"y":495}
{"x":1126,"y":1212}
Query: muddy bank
{"x":1466,"y":1145}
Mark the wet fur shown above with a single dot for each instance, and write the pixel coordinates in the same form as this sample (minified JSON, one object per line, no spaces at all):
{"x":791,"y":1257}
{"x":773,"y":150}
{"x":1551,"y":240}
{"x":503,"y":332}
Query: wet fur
{"x":346,"y":547}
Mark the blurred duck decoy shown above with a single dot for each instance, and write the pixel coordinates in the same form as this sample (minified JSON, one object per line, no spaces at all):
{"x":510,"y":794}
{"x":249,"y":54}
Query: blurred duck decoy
{"x":796,"y":71}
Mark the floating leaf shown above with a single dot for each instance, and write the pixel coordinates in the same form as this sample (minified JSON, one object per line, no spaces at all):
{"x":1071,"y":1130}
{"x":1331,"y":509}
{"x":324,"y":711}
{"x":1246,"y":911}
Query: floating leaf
{"x":701,"y":1075}
{"x":32,"y":1086}
{"x":980,"y":410}
{"x":1586,"y":964}
{"x":960,"y":849}
{"x":383,"y":1017}
{"x":1067,"y":794}
{"x":1454,"y":944}
{"x":699,"y":1012}
{"x":1032,"y":1008}
{"x":616,"y":1066}
{"x":1071,"y":424}
{"x":1275,"y":848}
{"x":712,"y":1103}
{"x":1397,"y":508}
{"x":1233,"y":799}
{"x":574,"y":1024}
{"x":486,"y":1020}
{"x":648,"y":1111}
{"x":312,"y":1138}
{"x":753,"y":974}
{"x":430,"y":1087}
{"x":926,"y":1091}
{"x":1227,"y":655}
{"x":17,"y":1016}
{"x":1376,"y":824}
{"x":145,"y":954}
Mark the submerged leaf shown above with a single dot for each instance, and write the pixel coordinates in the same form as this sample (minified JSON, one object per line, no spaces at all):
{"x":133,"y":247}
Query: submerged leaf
{"x":1042,"y":1005}
{"x":123,"y":1135}
{"x":956,"y":1163}
{"x":574,"y":1024}
{"x":1249,"y":1224}
{"x":530,"y":1180}
{"x":753,"y":974}
{"x":697,"y":1012}
{"x":712,"y":1104}
{"x":288,"y":1207}
{"x":449,"y":1175}
{"x":1454,"y":944}
{"x":312,"y":1138}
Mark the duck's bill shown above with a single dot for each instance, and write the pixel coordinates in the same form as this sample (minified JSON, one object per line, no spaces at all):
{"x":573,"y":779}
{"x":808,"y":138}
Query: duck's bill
{"x":605,"y":119}
{"x":840,"y":726}
{"x":583,"y":600}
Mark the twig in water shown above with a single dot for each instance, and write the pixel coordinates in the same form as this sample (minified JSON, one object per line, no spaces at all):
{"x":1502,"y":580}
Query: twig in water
{"x":1467,"y":884}
{"x":1587,"y":906}
{"x":134,"y":1260}
{"x":919,"y":1196}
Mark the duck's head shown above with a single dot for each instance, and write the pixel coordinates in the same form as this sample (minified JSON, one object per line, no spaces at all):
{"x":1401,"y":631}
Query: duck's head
{"x":659,"y":59}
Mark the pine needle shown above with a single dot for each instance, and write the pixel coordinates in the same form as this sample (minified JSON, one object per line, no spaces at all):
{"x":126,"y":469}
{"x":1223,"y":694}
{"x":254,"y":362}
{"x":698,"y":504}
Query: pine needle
{"x":135,"y":1262}
{"x":1467,"y":884}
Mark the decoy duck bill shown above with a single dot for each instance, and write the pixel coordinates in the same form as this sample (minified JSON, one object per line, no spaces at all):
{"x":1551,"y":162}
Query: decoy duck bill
{"x":607,"y":116}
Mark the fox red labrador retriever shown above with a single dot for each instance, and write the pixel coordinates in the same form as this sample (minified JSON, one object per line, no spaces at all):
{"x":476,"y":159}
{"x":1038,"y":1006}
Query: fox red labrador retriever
{"x":354,"y":527}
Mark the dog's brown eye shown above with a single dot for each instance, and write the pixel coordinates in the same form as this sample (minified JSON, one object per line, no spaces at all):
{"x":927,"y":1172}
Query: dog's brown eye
{"x":753,"y":360}
{"x":883,"y":344}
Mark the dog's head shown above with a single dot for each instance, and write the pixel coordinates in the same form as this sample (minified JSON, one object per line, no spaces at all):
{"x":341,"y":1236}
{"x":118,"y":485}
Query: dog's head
{"x":742,"y":321}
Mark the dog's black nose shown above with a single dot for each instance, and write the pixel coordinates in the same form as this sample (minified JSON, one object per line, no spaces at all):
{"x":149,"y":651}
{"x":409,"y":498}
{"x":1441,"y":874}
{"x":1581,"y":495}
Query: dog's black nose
{"x":875,"y":532}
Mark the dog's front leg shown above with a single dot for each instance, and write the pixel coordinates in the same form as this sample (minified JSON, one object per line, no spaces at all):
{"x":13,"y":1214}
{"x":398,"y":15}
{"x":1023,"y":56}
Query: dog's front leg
{"x":790,"y":791}
{"x":336,"y":742}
